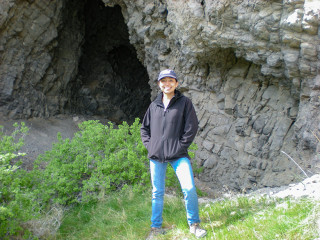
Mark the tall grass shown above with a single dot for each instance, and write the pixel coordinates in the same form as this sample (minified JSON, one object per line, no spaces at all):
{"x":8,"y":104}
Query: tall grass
{"x":126,"y":215}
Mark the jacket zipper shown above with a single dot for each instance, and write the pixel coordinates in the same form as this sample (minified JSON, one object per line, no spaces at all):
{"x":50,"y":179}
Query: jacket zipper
{"x":162,"y":140}
{"x":163,"y":125}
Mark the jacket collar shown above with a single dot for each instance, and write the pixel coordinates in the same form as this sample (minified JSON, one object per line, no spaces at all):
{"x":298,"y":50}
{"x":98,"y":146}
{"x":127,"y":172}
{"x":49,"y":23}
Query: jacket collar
{"x":158,"y":100}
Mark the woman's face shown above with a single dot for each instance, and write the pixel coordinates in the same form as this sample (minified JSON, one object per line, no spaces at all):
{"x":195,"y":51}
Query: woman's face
{"x":168,"y":85}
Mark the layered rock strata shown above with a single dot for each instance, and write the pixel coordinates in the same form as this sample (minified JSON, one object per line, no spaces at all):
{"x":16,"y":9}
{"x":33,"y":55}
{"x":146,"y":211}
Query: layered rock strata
{"x":251,"y":69}
{"x":63,"y":57}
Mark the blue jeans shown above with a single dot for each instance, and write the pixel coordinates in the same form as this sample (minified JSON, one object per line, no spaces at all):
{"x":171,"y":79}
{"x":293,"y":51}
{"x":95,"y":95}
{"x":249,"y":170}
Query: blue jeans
{"x":183,"y":170}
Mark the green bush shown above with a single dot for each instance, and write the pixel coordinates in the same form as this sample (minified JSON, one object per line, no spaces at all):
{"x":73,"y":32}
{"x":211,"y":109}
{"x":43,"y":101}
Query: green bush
{"x":13,"y":142}
{"x":16,"y":201}
{"x":99,"y":159}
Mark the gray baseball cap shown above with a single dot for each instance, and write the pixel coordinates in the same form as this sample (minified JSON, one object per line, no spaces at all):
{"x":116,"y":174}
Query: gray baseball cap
{"x":167,"y":73}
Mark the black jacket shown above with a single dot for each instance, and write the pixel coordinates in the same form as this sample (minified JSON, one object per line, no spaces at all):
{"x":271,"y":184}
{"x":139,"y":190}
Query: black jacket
{"x":168,"y":134}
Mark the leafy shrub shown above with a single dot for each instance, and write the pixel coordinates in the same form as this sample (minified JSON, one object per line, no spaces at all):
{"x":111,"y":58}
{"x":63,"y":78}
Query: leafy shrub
{"x":16,"y":201}
{"x":99,"y":159}
{"x":13,"y":142}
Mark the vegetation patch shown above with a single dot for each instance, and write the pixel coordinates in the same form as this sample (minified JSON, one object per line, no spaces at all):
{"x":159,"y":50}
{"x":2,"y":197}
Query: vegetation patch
{"x":126,"y":215}
{"x":97,"y":186}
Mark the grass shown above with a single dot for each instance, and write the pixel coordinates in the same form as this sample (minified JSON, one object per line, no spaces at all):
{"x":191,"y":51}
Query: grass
{"x":126,"y":215}
{"x":263,"y":218}
{"x":123,"y":215}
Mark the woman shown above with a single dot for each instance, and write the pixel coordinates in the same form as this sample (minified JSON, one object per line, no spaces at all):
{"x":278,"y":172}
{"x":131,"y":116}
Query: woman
{"x":168,"y":129}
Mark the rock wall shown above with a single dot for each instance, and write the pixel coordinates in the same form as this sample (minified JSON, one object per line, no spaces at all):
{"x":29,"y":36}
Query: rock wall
{"x":251,"y":69}
{"x":68,"y":56}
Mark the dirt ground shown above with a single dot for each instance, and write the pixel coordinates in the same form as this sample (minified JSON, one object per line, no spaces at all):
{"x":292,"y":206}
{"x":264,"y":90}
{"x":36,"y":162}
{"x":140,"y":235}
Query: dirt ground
{"x":43,"y":132}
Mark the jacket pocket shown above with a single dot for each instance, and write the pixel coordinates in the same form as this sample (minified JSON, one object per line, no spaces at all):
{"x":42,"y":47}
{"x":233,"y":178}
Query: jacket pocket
{"x":154,"y":148}
{"x":173,"y":149}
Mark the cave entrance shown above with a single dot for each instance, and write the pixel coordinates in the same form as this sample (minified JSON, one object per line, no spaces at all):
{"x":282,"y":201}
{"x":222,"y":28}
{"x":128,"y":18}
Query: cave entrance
{"x":111,"y":82}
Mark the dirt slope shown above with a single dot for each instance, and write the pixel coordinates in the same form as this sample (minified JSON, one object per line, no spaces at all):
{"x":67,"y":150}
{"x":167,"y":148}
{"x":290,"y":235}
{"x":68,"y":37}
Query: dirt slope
{"x":43,"y":132}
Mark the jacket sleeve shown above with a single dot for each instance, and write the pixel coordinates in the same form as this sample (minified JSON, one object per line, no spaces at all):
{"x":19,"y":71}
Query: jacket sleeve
{"x":145,"y":129}
{"x":191,"y":125}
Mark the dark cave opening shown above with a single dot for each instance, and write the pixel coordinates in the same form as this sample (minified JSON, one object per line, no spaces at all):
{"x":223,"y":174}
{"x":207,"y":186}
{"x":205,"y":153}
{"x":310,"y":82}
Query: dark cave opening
{"x":111,"y":82}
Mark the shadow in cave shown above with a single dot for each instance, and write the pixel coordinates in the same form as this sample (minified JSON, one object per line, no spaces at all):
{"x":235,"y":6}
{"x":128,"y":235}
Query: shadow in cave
{"x":111,"y":82}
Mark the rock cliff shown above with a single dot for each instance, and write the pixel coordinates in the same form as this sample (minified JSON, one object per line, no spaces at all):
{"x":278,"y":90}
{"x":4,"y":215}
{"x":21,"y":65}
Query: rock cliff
{"x":251,"y":69}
